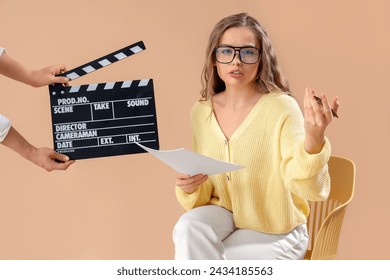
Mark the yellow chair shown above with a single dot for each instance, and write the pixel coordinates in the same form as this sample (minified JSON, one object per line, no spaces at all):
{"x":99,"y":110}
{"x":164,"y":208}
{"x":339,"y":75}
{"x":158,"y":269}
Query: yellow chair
{"x":326,"y":217}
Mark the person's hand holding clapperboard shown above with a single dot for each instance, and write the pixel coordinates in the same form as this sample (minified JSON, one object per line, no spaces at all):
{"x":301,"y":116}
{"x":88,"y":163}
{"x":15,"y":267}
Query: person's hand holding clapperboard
{"x":43,"y":157}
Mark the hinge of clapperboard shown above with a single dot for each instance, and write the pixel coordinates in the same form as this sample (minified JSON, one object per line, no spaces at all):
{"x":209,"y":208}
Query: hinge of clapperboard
{"x":95,"y":65}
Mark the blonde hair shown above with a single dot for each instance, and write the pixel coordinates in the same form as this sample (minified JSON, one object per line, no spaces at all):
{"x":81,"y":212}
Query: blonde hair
{"x":269,"y":77}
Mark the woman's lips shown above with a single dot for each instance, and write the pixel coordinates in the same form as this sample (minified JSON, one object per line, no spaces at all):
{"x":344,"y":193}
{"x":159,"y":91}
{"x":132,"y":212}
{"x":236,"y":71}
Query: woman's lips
{"x":235,"y":73}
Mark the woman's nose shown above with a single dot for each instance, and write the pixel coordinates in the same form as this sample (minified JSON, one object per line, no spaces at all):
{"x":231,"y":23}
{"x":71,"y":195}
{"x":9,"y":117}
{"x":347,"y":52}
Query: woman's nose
{"x":236,"y":58}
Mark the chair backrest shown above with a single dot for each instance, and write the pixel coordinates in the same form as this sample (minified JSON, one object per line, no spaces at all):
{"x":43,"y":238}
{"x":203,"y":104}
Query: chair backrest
{"x":326,"y":217}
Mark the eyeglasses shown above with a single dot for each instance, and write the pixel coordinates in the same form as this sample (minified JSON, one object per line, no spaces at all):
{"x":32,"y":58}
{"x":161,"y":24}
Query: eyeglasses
{"x":226,"y":54}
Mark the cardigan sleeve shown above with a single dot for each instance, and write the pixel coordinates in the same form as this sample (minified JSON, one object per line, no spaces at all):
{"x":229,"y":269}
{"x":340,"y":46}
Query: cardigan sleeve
{"x":305,"y":175}
{"x":201,"y":196}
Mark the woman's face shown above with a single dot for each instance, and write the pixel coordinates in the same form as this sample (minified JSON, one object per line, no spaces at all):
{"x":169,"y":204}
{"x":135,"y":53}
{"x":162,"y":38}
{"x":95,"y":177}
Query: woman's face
{"x":237,"y":73}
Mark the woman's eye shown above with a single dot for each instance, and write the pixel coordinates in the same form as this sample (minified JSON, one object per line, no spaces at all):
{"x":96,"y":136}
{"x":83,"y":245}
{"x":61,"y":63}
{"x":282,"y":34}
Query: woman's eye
{"x":247,"y":52}
{"x":226,"y":51}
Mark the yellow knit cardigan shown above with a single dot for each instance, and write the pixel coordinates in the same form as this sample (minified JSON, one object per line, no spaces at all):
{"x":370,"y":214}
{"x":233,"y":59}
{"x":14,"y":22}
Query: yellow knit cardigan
{"x":270,"y":194}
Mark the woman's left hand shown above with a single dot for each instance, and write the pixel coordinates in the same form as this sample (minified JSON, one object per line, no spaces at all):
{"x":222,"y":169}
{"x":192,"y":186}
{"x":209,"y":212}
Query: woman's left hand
{"x":317,"y":118}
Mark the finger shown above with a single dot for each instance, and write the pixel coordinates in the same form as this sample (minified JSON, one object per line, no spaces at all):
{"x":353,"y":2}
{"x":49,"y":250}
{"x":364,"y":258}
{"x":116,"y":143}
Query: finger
{"x":192,"y":181}
{"x":182,"y":176}
{"x":61,"y":165}
{"x":195,"y":178}
{"x":315,"y":101}
{"x":336,"y":104}
{"x":59,"y":68}
{"x":317,"y":107}
{"x":62,"y":68}
{"x":326,"y":107}
{"x":61,"y":80}
{"x":59,"y":157}
{"x":65,"y":165}
{"x":307,"y":103}
{"x":191,"y":187}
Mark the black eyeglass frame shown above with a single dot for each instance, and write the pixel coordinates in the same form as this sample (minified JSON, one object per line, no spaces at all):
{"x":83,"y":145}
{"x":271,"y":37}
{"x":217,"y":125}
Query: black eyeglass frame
{"x":237,"y":49}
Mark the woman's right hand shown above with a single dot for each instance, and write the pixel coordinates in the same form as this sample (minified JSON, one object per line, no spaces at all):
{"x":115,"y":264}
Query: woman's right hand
{"x":189,"y":183}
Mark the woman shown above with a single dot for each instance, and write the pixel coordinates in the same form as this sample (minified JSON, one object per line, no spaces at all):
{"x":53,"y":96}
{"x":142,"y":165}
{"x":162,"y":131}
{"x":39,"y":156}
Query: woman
{"x":247,"y":116}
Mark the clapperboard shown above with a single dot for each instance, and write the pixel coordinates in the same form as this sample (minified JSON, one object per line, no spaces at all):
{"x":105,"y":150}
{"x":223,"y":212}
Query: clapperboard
{"x":104,"y":119}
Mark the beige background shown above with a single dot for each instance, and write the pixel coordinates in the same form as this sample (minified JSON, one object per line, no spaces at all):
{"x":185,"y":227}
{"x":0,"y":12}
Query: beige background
{"x":124,"y":207}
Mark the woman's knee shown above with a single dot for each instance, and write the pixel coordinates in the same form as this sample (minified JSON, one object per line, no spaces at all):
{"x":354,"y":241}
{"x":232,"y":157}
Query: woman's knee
{"x":212,"y":221}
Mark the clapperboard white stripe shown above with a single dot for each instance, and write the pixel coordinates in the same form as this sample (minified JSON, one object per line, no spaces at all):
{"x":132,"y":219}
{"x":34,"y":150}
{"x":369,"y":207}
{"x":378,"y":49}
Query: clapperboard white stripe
{"x":103,"y":119}
{"x":143,"y":83}
{"x":92,"y":87}
{"x":109,"y":85}
{"x":126,"y":84}
{"x":74,"y":89}
{"x":104,"y":61}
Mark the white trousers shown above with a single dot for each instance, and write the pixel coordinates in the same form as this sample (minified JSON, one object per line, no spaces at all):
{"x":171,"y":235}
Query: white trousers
{"x":208,"y":233}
